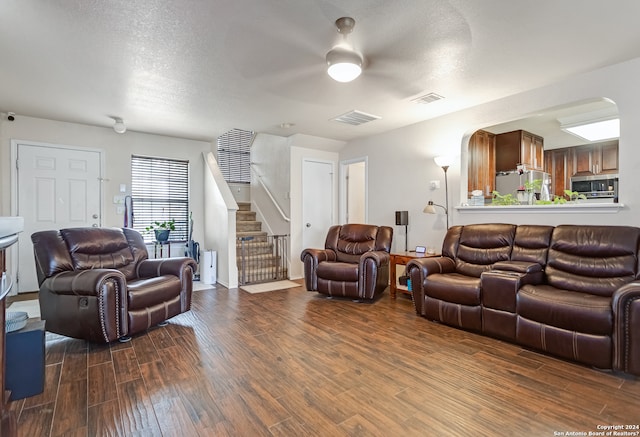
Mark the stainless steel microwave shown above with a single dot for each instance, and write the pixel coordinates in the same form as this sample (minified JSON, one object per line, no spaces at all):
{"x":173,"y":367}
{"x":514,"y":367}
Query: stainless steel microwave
{"x":596,"y":186}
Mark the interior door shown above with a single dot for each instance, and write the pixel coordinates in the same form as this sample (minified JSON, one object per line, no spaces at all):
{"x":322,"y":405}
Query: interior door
{"x":356,"y":192}
{"x":317,"y":202}
{"x":57,"y":187}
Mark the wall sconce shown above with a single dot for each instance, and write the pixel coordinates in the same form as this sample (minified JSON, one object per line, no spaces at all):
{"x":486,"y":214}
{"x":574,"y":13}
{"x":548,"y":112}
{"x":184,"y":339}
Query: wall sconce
{"x":430,"y":209}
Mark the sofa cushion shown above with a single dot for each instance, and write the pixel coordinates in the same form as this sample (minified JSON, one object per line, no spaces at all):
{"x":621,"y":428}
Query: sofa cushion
{"x":531,"y":243}
{"x":571,"y":310}
{"x":144,"y":293}
{"x":593,"y":259}
{"x":338,"y":271}
{"x":97,"y":248}
{"x":480,"y":246}
{"x":454,"y":288}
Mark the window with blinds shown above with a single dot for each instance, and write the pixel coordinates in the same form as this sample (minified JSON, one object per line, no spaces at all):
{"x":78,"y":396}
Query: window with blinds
{"x":160,"y":192}
{"x":234,"y":155}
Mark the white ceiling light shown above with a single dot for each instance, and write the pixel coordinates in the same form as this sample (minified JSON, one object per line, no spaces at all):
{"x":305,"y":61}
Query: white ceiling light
{"x":344,"y":64}
{"x":596,"y":131}
{"x":119,"y":126}
{"x":594,"y":126}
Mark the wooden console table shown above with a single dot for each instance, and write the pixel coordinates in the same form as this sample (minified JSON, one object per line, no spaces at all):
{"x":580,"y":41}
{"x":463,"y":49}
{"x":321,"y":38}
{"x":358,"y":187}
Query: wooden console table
{"x":402,"y":258}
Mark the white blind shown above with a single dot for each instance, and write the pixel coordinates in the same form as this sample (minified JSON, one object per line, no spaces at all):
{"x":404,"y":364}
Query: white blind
{"x":160,"y":192}
{"x":234,"y":155}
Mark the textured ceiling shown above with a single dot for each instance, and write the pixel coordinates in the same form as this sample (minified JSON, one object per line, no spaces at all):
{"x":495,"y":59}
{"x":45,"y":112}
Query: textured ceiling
{"x":196,"y":69}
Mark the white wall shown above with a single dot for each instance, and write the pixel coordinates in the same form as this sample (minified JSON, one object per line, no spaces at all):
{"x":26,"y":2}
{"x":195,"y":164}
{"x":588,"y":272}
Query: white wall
{"x":117,"y":148}
{"x":271,"y":163}
{"x":401,"y":161}
{"x":220,"y":210}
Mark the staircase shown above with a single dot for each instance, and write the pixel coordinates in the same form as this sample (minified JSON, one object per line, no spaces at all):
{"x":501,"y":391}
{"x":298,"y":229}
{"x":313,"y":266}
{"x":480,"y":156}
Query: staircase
{"x":260,"y":257}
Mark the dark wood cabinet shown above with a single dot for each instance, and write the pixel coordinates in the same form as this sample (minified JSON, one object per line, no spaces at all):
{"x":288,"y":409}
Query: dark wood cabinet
{"x":557,"y":165}
{"x":481,"y":168}
{"x":519,"y":148}
{"x":587,"y":160}
{"x":594,"y":159}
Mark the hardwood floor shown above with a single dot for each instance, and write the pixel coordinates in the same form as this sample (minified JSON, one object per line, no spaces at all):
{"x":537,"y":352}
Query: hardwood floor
{"x":292,"y":363}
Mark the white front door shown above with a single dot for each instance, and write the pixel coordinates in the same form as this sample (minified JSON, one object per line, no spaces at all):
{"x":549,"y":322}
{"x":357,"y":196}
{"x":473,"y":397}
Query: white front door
{"x":317,"y":202}
{"x":57,"y":187}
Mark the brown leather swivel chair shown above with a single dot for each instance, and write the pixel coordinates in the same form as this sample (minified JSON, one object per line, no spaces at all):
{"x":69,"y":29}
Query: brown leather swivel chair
{"x":354,"y":262}
{"x":97,"y":283}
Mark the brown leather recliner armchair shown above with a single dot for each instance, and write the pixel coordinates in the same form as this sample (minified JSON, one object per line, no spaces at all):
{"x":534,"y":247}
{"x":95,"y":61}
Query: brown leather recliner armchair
{"x":97,"y":283}
{"x":354,"y":262}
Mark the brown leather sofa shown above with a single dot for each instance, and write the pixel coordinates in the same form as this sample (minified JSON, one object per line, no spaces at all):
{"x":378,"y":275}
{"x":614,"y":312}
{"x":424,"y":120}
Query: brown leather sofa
{"x":354,"y":262}
{"x":97,"y":283}
{"x":570,"y":291}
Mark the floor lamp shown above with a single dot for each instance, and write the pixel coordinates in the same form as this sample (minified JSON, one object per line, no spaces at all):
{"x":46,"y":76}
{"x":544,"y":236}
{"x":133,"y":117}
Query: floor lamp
{"x":444,"y":162}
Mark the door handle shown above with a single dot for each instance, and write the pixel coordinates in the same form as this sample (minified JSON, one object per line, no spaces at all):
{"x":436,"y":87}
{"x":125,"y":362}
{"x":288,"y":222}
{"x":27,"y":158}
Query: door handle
{"x":308,"y":225}
{"x":95,"y":225}
{"x":95,"y":216}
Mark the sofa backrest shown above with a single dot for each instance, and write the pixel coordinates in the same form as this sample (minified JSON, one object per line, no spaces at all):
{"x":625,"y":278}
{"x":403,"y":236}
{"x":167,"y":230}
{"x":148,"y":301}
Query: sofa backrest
{"x":350,"y":241}
{"x":475,"y":248}
{"x":593,"y":259}
{"x":87,"y":248}
{"x":531,"y":243}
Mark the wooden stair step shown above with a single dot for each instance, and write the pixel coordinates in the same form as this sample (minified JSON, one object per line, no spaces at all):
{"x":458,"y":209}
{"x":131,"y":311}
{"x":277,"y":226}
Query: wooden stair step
{"x":245,"y":216}
{"x":242,"y":226}
{"x":244,"y":206}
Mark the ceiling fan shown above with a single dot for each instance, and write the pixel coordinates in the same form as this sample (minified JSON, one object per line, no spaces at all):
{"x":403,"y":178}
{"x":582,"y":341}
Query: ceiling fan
{"x":344,"y":63}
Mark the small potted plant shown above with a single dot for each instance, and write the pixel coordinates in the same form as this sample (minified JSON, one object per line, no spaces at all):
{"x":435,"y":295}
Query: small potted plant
{"x":162,"y":229}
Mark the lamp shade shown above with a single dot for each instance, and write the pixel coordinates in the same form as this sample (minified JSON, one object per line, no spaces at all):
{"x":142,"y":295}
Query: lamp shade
{"x":443,"y":161}
{"x":429,"y":209}
{"x":343,"y":65}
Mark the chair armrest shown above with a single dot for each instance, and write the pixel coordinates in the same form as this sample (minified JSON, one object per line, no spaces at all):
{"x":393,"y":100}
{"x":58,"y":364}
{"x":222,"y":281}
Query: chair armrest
{"x":90,"y":304}
{"x":318,"y":255}
{"x":82,"y":282}
{"x":311,"y":258}
{"x":517,"y":266}
{"x":626,"y":312}
{"x":419,"y":269}
{"x":379,"y":257}
{"x":149,"y":268}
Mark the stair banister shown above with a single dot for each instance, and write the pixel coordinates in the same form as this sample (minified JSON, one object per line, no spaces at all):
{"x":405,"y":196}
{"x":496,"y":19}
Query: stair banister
{"x":273,"y":200}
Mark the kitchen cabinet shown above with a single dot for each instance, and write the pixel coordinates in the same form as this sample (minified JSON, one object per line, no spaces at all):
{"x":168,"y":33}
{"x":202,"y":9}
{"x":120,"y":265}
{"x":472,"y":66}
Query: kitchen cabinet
{"x":519,"y":148}
{"x":594,"y":159}
{"x":557,"y":165}
{"x":481,"y":168}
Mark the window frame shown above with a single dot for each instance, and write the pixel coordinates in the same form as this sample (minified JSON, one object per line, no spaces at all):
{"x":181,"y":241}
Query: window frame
{"x":160,"y":189}
{"x":234,"y":155}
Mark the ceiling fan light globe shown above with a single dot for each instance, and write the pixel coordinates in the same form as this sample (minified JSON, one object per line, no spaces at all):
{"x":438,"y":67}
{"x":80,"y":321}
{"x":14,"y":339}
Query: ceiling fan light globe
{"x":343,"y":65}
{"x":344,"y":72}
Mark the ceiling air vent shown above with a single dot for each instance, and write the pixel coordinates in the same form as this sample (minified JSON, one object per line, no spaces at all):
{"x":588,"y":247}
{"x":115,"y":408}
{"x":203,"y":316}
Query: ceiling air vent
{"x":355,"y":118}
{"x":427,"y":98}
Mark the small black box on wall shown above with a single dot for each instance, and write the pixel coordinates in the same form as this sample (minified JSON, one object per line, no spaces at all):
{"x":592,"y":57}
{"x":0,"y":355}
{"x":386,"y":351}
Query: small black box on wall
{"x":402,"y":218}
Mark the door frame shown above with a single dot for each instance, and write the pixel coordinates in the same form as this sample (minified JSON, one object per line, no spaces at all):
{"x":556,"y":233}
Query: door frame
{"x":343,"y":187}
{"x":14,"y":267}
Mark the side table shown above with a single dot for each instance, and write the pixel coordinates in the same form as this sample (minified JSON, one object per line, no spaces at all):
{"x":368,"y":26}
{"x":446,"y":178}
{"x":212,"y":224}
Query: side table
{"x":402,"y":258}
{"x":158,"y":248}
{"x":25,"y":360}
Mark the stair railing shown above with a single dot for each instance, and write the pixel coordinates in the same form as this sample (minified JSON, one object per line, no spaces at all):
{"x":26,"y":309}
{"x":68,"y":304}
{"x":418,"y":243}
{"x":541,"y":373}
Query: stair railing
{"x":266,"y":189}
